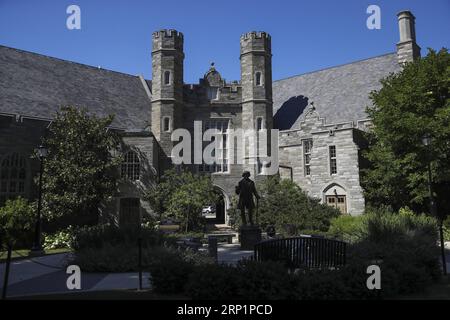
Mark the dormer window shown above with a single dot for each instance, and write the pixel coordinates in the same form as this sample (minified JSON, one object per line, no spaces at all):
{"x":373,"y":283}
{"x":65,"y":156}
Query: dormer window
{"x":167,"y":78}
{"x":258,"y":79}
{"x":213,"y":93}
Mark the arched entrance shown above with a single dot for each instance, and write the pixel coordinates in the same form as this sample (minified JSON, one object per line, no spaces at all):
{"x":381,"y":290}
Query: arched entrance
{"x":216,"y":212}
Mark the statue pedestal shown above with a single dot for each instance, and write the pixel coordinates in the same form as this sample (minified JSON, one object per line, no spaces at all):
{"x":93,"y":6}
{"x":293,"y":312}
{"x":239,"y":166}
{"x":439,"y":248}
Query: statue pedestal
{"x":249,"y":236}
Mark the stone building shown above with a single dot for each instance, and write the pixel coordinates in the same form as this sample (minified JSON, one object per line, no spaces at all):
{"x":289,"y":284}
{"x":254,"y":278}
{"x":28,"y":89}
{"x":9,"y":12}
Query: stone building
{"x":320,"y":115}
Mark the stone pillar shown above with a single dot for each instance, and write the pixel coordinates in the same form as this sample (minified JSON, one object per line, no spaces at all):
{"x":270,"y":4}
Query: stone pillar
{"x":407,"y":48}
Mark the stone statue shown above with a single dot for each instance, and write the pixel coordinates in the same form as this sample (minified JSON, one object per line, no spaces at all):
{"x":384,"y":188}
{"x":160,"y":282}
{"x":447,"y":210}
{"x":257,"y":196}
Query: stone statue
{"x":246,"y":190}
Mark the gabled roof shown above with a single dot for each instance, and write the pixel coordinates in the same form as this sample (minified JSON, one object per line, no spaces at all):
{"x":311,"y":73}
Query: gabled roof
{"x":340,"y":94}
{"x":37,"y":85}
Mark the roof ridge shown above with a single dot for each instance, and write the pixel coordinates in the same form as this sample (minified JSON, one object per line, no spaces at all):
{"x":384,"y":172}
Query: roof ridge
{"x":74,"y":62}
{"x":337,"y":66}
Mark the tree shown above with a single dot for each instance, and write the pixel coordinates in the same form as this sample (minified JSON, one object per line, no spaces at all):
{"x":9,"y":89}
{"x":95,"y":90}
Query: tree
{"x":17,"y":219}
{"x":182,"y":195}
{"x":283,"y":204}
{"x":79,"y":172}
{"x":411,"y":104}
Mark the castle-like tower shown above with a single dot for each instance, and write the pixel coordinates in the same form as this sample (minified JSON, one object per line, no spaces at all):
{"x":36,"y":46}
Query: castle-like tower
{"x":167,"y":85}
{"x":256,"y":81}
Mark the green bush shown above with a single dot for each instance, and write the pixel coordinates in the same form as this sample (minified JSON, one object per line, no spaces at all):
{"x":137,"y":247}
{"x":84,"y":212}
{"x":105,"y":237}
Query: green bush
{"x":60,"y":239}
{"x":248,"y":280}
{"x":346,"y":228}
{"x":405,"y":245}
{"x":284,"y":204}
{"x":17,"y":221}
{"x":204,"y":281}
{"x":99,"y":235}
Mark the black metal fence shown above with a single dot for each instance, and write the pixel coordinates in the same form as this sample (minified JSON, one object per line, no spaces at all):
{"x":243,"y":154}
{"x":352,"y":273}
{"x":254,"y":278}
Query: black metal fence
{"x":298,"y":252}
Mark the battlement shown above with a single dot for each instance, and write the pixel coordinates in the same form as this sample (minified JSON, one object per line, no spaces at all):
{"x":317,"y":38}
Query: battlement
{"x":255,"y":41}
{"x":167,"y":39}
{"x":255,"y":35}
{"x":167,"y":33}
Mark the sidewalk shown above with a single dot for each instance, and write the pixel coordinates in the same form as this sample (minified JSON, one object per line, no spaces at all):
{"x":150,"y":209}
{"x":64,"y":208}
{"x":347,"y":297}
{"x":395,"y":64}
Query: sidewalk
{"x":45,"y":275}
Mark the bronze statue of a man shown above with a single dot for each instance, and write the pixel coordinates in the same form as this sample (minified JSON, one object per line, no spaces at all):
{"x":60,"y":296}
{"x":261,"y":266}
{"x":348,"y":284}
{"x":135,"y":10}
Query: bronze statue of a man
{"x":246,"y":189}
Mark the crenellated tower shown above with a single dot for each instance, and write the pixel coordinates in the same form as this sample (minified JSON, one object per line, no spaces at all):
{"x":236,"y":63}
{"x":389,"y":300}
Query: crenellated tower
{"x":256,"y":80}
{"x":167,"y":85}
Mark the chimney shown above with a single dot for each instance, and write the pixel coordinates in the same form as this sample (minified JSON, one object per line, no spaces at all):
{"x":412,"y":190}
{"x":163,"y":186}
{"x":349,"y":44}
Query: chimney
{"x":407,"y":48}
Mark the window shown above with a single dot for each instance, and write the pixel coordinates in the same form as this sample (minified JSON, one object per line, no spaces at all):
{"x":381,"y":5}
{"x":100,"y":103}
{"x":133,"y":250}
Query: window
{"x":258,"y":80}
{"x":259,"y":124}
{"x":307,"y":147}
{"x":129,"y":215}
{"x":166,"y":77}
{"x":166,"y":124}
{"x":333,"y":165}
{"x":130,"y":166}
{"x":13,"y":175}
{"x":213,"y":93}
{"x":221,"y":153}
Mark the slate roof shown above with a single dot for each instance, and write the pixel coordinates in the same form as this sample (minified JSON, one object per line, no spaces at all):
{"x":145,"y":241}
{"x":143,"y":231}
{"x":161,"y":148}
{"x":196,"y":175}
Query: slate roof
{"x":37,"y":85}
{"x":340,"y":94}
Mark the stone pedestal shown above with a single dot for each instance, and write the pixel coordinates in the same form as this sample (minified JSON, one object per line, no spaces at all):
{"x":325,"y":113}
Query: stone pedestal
{"x":249,"y":236}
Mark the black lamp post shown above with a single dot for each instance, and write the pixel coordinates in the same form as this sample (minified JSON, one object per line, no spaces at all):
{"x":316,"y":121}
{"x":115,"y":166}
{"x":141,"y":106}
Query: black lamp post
{"x":37,"y":245}
{"x":426,"y":140}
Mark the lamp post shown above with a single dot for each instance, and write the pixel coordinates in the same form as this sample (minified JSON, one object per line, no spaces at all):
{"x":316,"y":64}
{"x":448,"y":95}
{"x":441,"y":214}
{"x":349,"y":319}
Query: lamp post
{"x":37,"y":246}
{"x":426,"y":140}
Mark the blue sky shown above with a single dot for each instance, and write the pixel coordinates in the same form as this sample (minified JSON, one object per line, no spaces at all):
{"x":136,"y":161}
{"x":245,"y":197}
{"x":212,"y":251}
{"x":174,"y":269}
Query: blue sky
{"x":306,"y":35}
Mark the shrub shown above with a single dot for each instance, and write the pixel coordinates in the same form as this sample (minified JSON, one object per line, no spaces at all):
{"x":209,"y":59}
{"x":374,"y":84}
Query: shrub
{"x":284,"y":203}
{"x":99,"y":235}
{"x":204,"y":282}
{"x":17,"y":221}
{"x":247,"y":280}
{"x":60,"y":239}
{"x":346,"y":228}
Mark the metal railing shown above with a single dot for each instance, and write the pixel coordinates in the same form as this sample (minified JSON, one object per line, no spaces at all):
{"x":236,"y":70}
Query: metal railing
{"x":298,"y":252}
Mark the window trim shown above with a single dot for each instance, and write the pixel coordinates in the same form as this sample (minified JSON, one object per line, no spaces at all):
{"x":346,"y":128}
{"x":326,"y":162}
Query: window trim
{"x":262,"y":124}
{"x":332,"y":160}
{"x":164,"y":124}
{"x":127,"y":165}
{"x":261,"y":79}
{"x":307,"y":165}
{"x":165,"y":72}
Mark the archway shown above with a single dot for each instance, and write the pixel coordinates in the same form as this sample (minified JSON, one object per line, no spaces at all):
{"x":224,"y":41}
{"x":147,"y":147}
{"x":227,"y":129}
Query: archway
{"x":215,"y":213}
{"x":336,"y":196}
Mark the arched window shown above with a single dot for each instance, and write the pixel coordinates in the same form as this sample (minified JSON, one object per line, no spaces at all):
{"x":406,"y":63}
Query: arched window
{"x":130,"y":166}
{"x":259,"y":123}
{"x":13,"y":175}
{"x":258,"y":79}
{"x":166,"y":77}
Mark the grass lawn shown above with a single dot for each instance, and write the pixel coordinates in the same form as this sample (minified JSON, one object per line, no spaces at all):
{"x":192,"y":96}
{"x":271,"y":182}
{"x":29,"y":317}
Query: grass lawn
{"x":105,"y":295}
{"x":23,"y":254}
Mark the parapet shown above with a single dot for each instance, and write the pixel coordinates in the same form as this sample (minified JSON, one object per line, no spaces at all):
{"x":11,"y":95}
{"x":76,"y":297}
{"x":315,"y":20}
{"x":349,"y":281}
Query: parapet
{"x":167,"y":39}
{"x":256,"y":41}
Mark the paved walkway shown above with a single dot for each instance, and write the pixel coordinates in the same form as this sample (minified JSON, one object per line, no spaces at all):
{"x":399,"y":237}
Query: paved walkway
{"x":45,"y":275}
